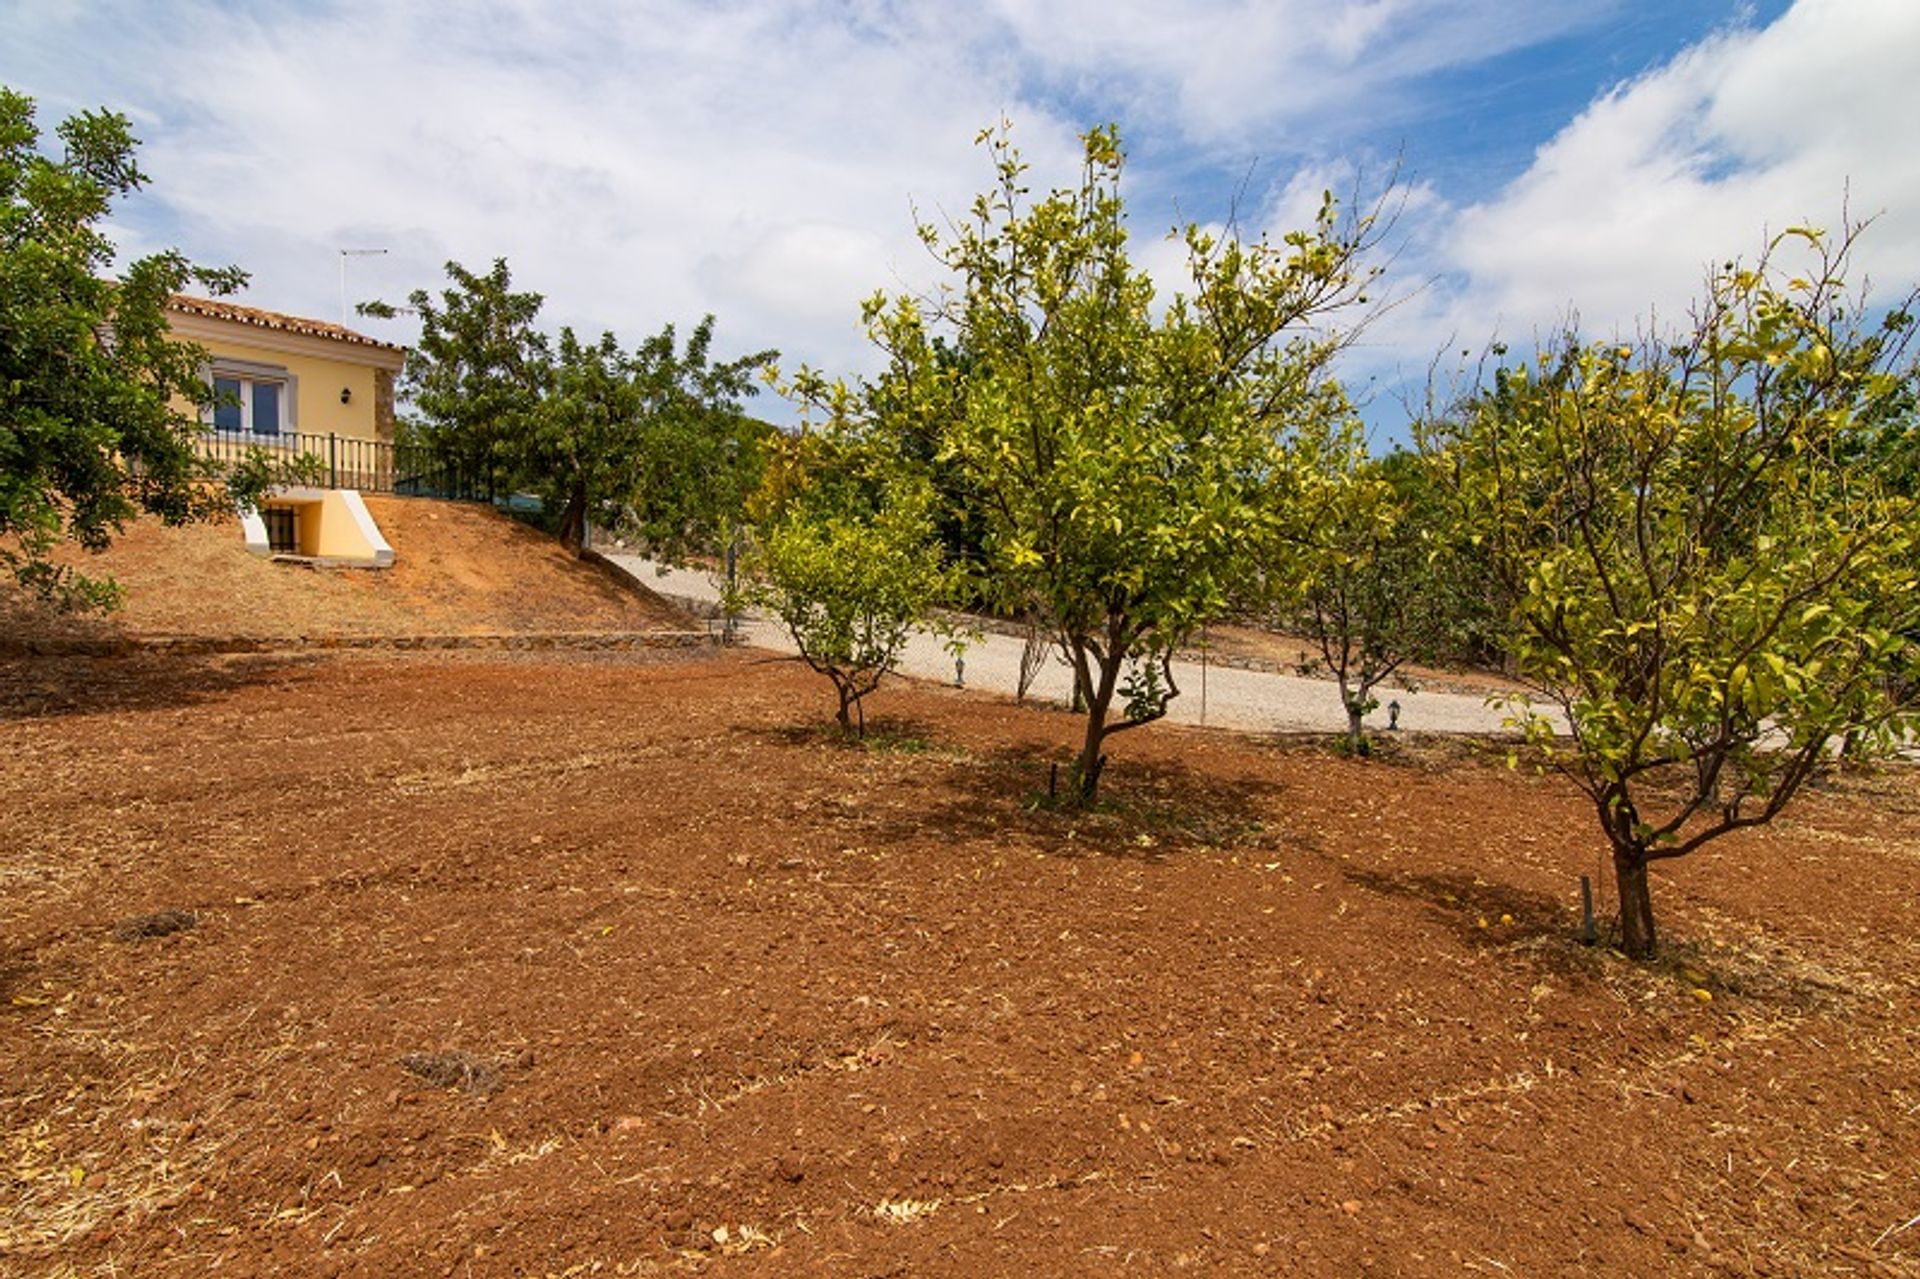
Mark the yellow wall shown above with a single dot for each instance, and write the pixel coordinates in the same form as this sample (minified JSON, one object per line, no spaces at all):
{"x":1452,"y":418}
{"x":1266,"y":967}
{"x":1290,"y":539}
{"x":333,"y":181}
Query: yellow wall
{"x":329,"y":527}
{"x":312,"y":521}
{"x":321,"y":369}
{"x":318,"y":410}
{"x":340,"y":537}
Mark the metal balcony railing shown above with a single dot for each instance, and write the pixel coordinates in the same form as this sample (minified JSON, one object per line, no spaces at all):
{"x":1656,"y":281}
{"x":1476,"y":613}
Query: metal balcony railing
{"x":347,"y":462}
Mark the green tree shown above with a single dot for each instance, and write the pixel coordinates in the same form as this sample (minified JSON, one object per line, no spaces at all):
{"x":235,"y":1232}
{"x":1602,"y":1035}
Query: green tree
{"x":581,"y":435}
{"x":1699,"y":579}
{"x":698,"y":456}
{"x":91,"y":434}
{"x":1364,"y":570}
{"x":849,"y":560}
{"x":1118,"y":451}
{"x":657,"y":437}
{"x":476,"y":377}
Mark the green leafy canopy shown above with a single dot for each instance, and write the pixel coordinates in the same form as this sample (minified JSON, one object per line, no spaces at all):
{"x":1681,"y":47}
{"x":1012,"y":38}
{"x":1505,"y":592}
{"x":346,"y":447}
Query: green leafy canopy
{"x":1367,"y":568}
{"x":92,"y":432}
{"x":654,"y":440}
{"x":849,"y":559}
{"x":1699,"y":571}
{"x":1115,"y":452}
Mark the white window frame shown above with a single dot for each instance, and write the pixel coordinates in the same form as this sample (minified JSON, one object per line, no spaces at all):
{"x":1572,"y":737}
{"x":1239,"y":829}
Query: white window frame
{"x":250,"y":374}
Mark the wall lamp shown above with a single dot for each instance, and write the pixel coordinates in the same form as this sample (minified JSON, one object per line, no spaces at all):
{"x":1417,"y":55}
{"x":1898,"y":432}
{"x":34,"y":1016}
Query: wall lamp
{"x":346,"y":395}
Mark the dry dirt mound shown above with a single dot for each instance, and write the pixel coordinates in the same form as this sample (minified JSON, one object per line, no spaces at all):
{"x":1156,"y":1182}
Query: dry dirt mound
{"x":459,"y":569}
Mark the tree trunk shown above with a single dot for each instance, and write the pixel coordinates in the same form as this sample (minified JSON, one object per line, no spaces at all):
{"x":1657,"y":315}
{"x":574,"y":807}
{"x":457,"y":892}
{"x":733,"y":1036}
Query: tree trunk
{"x":1356,"y":734}
{"x":1033,"y":655}
{"x":1089,"y":774}
{"x":1086,"y":769}
{"x":573,"y":522}
{"x":1091,"y":762}
{"x":844,"y":715}
{"x":1636,"y":902}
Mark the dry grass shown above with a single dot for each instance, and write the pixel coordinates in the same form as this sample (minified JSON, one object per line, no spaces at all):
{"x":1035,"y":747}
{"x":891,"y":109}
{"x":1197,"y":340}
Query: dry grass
{"x":464,"y":1071}
{"x":68,"y":1172}
{"x":459,"y":568}
{"x":161,"y":923}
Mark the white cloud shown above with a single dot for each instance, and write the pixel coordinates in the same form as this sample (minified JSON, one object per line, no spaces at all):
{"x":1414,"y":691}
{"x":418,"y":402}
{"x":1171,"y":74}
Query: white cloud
{"x":634,"y":163}
{"x":654,"y":160}
{"x":1741,"y":136}
{"x":644,"y":162}
{"x":796,"y":274}
{"x":1221,"y":67}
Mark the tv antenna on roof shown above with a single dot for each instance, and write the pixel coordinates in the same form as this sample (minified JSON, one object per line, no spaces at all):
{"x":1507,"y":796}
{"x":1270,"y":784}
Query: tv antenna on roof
{"x":344,"y":255}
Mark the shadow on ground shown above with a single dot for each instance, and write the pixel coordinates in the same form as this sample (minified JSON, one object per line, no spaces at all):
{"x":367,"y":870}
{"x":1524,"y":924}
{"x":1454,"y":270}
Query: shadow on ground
{"x":888,"y":734}
{"x":39,"y":687}
{"x":1148,"y":810}
{"x":1479,"y":912}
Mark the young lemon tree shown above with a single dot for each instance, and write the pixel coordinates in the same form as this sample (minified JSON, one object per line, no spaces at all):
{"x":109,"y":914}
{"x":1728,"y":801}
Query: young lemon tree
{"x":1117,"y":452}
{"x":849,"y":560}
{"x":1364,"y":570}
{"x":1696,"y":574}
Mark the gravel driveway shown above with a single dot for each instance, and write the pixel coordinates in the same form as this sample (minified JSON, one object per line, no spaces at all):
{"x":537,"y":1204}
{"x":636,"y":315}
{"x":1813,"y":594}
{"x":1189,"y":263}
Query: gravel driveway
{"x":1220,"y":696}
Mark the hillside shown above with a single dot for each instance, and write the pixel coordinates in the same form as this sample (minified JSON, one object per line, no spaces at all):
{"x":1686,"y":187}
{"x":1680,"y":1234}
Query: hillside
{"x":459,"y":569}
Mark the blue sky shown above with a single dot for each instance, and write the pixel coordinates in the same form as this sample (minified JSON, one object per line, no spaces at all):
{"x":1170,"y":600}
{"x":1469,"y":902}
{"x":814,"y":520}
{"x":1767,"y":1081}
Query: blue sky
{"x":653,"y":160}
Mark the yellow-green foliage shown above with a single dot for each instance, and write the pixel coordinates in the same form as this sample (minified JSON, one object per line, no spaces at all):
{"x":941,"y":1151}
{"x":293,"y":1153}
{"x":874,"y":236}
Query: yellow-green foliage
{"x":1701,"y":570}
{"x":1117,"y":454}
{"x":848,"y":562}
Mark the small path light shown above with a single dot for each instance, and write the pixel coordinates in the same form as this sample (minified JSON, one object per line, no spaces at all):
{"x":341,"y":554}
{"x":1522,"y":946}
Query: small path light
{"x":1393,"y":715}
{"x":959,"y":671}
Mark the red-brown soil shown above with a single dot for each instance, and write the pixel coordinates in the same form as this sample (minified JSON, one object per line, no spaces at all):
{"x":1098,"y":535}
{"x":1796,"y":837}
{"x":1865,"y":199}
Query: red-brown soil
{"x":733,"y":998}
{"x":459,"y":569}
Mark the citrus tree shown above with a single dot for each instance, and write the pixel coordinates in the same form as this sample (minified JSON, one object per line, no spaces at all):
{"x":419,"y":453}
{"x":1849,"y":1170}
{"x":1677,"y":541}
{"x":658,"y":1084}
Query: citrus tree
{"x":1116,"y":448}
{"x":1364,"y":569}
{"x":848,"y":559}
{"x":1698,"y":572}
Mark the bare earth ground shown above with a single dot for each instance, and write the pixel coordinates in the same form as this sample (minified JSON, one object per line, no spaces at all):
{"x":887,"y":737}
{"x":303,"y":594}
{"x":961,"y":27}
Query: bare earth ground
{"x":459,"y":568}
{"x":1282,"y":652}
{"x":553,"y":965}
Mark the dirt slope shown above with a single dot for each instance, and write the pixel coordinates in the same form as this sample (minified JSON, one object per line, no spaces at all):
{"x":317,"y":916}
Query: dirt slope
{"x":459,"y":569}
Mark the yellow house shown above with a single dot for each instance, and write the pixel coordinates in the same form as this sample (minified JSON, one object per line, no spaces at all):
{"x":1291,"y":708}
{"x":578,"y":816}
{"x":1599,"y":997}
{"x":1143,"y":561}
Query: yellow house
{"x":300,"y":386}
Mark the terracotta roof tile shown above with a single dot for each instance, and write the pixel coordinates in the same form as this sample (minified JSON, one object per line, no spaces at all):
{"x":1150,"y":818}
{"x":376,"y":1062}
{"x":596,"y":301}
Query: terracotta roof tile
{"x":219,"y":310}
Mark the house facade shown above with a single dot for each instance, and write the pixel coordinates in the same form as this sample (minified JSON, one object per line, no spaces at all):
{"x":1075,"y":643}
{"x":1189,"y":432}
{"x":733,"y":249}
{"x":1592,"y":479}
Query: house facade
{"x":287,"y":375}
{"x":307,"y":388}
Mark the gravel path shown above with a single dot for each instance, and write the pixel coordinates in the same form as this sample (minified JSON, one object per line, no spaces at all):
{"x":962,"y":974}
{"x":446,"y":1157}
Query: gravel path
{"x":1220,"y":696}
